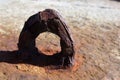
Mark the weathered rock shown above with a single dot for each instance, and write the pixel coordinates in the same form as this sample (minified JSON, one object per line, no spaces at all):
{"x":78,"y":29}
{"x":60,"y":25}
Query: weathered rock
{"x":55,"y":24}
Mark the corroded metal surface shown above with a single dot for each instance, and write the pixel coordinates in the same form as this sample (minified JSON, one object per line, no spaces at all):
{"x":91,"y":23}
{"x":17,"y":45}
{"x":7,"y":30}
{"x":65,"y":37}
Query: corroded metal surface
{"x":47,"y":20}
